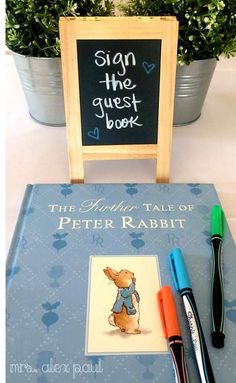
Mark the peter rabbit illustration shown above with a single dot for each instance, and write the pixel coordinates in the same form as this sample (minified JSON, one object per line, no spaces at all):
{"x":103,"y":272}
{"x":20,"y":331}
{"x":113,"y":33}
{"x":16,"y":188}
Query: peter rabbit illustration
{"x":126,"y":307}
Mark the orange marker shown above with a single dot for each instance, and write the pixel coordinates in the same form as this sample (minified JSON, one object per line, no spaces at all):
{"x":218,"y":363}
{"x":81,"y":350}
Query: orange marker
{"x":171,"y":329}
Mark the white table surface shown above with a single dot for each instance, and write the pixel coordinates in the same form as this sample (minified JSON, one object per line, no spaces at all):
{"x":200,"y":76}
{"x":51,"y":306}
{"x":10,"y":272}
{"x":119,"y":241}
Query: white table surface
{"x":203,"y":152}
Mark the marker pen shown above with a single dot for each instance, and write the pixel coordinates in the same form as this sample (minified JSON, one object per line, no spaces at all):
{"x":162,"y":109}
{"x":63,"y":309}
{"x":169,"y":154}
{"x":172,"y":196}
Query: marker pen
{"x":183,"y":286}
{"x":171,"y":329}
{"x":217,"y":290}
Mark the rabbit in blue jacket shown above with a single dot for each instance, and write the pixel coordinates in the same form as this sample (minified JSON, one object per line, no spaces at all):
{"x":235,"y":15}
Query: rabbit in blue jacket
{"x":126,"y":307}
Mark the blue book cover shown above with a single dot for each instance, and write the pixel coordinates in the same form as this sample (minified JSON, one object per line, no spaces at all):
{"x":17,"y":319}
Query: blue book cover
{"x":83,"y":270}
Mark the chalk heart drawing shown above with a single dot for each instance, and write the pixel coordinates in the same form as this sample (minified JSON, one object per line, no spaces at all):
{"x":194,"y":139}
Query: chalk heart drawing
{"x":148,"y":67}
{"x":94,"y":134}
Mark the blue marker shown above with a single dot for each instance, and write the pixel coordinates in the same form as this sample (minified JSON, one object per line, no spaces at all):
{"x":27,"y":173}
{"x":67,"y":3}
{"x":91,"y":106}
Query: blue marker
{"x":183,"y":286}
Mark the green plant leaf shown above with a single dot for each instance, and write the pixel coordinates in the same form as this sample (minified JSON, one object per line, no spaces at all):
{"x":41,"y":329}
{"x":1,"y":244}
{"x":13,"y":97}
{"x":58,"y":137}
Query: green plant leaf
{"x":207,"y":28}
{"x":32,"y":25}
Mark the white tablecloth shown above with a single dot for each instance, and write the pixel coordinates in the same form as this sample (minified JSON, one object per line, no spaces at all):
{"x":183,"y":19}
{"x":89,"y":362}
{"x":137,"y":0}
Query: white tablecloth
{"x":203,"y":152}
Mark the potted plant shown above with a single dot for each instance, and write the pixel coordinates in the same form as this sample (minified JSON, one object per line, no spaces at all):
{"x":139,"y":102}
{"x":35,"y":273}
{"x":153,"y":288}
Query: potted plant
{"x":207,"y":29}
{"x":32,"y":35}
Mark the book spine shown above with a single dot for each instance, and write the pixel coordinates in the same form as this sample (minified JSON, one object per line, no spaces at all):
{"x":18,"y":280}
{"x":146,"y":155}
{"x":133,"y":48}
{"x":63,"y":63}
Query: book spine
{"x":19,"y":230}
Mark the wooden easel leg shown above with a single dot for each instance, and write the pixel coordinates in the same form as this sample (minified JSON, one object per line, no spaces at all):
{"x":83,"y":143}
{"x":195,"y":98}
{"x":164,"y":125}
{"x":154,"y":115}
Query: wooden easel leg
{"x":77,"y":181}
{"x":77,"y":172}
{"x":163,"y":169}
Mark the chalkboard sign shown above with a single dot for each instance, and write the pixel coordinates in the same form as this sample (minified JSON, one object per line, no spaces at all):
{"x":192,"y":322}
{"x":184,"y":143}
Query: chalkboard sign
{"x":119,"y":82}
{"x":119,"y":91}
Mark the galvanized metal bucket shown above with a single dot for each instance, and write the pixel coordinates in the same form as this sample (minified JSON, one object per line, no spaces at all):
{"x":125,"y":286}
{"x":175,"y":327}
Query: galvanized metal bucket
{"x":41,"y":78}
{"x":192,"y":83}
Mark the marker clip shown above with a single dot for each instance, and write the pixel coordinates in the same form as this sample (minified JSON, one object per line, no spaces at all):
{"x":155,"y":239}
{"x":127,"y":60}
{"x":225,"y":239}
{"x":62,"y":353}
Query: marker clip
{"x":161,"y":310}
{"x":173,"y":270}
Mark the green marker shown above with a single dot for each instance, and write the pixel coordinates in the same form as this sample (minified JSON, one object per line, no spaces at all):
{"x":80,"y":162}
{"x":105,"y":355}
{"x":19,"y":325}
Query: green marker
{"x":217,"y":304}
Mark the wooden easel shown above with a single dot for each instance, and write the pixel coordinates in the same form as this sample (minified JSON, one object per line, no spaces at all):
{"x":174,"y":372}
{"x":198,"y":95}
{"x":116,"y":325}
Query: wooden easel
{"x":102,"y":28}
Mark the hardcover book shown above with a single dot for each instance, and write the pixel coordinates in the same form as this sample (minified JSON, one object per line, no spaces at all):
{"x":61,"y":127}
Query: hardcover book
{"x":83,"y":271}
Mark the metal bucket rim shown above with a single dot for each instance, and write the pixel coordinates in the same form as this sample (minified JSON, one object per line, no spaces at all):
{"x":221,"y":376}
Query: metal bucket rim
{"x":59,"y":57}
{"x":198,"y":61}
{"x":34,"y":57}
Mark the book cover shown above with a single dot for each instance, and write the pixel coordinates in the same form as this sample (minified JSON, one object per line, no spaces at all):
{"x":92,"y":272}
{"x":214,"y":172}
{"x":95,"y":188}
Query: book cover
{"x":83,"y":270}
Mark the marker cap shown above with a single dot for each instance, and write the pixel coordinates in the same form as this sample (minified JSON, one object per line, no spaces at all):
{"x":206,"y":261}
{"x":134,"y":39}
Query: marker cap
{"x":217,"y":221}
{"x":168,"y":313}
{"x":178,"y":270}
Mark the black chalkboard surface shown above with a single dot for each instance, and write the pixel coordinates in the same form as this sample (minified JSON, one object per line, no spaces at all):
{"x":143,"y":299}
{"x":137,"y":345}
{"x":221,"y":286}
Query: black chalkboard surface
{"x":119,"y":91}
